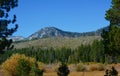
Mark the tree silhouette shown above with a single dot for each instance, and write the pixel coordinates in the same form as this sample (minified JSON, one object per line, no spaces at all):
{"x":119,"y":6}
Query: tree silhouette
{"x":5,"y":8}
{"x":63,"y":70}
{"x":112,"y":72}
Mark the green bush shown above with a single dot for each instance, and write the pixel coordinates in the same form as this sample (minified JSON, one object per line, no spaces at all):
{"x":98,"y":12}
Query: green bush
{"x":36,"y":70}
{"x":63,"y":70}
{"x":112,"y":72}
{"x":23,"y":68}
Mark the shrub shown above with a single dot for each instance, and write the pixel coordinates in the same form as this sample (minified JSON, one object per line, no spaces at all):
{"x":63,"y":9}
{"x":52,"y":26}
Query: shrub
{"x":10,"y":65}
{"x":63,"y":70}
{"x":36,"y":70}
{"x":81,"y":67}
{"x":92,"y":67}
{"x":23,"y":68}
{"x":40,"y":65}
{"x":112,"y":72}
{"x":100,"y":67}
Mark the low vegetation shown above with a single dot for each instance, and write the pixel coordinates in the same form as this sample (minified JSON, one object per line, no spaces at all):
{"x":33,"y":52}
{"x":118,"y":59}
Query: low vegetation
{"x":19,"y":65}
{"x":83,"y":53}
{"x":63,"y":70}
{"x":80,"y":57}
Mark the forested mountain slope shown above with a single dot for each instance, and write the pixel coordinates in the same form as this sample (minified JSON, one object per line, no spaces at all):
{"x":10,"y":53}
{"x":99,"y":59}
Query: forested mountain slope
{"x":57,"y":42}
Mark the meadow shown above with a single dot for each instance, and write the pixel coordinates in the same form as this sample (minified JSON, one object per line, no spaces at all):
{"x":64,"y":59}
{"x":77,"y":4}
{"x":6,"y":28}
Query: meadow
{"x":95,"y":73}
{"x":75,"y":73}
{"x":90,"y":69}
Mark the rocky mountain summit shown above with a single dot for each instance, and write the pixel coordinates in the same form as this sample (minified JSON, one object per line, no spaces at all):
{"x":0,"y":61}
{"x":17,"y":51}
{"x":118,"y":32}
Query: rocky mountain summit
{"x":55,"y":32}
{"x":48,"y":32}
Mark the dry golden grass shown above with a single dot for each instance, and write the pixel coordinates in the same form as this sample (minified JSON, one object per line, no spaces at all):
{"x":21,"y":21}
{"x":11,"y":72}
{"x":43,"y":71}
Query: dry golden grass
{"x":94,"y":73}
{"x":95,"y":69}
{"x":50,"y":70}
{"x":50,"y":74}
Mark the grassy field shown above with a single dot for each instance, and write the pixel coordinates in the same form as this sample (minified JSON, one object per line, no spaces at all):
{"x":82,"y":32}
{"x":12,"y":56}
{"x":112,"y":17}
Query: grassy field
{"x":94,"y":73}
{"x":75,"y":73}
{"x":88,"y":73}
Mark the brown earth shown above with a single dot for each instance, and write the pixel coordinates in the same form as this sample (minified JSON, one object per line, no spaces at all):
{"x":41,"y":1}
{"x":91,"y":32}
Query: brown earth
{"x":1,"y":73}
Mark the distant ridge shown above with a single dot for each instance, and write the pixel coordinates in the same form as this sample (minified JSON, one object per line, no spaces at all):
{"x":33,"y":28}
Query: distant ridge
{"x":48,"y":32}
{"x":16,"y":38}
{"x":55,"y":32}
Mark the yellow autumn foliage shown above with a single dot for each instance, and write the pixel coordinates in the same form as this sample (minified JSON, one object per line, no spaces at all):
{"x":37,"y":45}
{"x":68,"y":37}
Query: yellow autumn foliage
{"x":41,"y":65}
{"x":10,"y":65}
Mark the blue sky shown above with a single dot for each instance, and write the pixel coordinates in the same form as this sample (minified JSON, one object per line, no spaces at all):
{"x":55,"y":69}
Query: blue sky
{"x":68,"y":15}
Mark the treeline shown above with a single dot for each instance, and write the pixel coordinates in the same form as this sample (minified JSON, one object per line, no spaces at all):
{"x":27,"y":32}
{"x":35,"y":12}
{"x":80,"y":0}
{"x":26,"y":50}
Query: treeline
{"x":84,"y":53}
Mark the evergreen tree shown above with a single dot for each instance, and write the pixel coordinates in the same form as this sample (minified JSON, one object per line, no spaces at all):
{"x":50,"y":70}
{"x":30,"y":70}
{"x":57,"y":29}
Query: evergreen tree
{"x":113,"y":14}
{"x":112,"y":72}
{"x":97,"y":53}
{"x":111,"y":37}
{"x":23,"y":68}
{"x":5,"y":7}
{"x":63,"y":70}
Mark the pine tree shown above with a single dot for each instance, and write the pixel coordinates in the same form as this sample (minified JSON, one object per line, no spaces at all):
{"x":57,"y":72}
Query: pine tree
{"x":112,"y":72}
{"x":63,"y":70}
{"x":113,"y":14}
{"x":111,"y":37}
{"x":5,"y":8}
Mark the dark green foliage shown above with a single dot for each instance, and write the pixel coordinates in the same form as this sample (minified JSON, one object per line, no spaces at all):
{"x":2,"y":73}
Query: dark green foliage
{"x":111,"y":37}
{"x":63,"y":70}
{"x":23,"y":68}
{"x":111,"y":41}
{"x":97,"y":52}
{"x":84,"y":53}
{"x":112,"y":72}
{"x":5,"y":44}
{"x":113,"y":14}
{"x":36,"y":70}
{"x":5,"y":7}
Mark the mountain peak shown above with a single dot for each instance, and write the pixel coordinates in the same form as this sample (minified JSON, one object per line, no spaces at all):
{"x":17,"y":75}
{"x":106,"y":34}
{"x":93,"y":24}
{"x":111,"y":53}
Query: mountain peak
{"x":55,"y":32}
{"x":45,"y":32}
{"x":50,"y":28}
